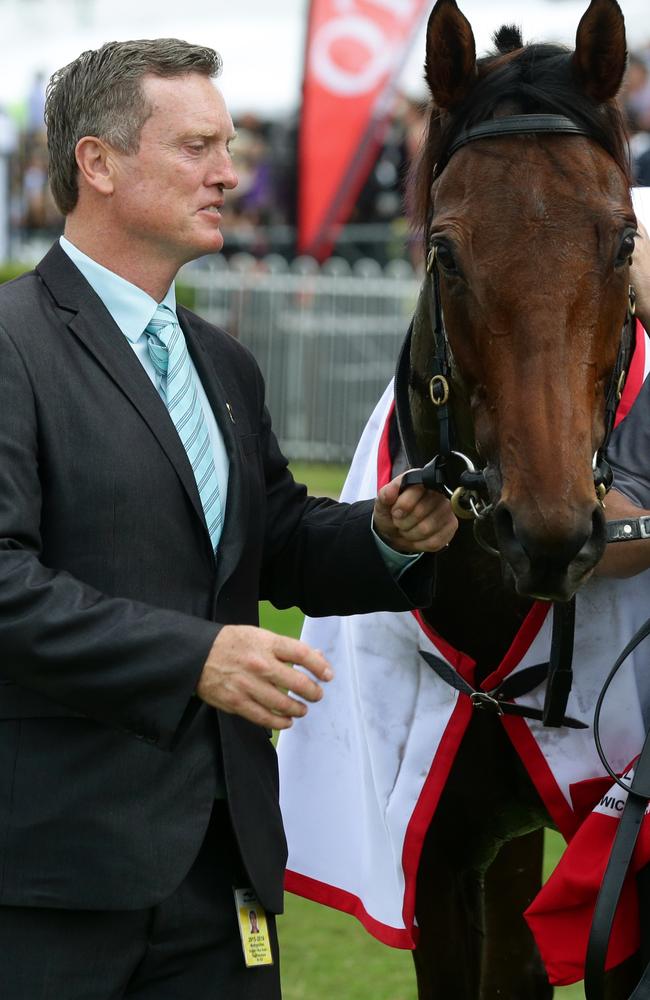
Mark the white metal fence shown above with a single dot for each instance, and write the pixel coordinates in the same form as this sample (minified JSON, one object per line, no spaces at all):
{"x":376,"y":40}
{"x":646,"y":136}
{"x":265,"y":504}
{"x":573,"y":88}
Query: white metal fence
{"x":325,"y":338}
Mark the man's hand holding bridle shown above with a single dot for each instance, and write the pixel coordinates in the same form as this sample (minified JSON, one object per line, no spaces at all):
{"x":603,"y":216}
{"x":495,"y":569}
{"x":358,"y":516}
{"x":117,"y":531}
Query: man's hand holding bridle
{"x":417,"y":520}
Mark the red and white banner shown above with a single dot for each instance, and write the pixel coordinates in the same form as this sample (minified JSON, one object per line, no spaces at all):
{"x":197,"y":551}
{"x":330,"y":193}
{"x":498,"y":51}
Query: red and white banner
{"x":355,"y":52}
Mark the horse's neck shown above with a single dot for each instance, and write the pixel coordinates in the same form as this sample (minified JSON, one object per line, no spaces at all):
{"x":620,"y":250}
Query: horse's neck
{"x":473,"y":609}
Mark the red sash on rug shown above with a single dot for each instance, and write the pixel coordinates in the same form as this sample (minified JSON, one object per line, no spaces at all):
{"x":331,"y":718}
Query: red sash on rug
{"x":561,"y":914}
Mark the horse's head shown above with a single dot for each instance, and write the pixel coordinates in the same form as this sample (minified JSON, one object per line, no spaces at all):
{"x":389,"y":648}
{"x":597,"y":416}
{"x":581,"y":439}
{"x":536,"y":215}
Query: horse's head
{"x":533,"y":234}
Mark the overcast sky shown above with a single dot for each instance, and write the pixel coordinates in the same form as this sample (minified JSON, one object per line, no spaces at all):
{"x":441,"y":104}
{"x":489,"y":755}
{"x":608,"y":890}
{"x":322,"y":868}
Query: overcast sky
{"x":261,"y":41}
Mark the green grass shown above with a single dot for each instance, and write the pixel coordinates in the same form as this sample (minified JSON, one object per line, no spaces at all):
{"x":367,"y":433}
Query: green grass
{"x":322,"y":480}
{"x":326,"y":955}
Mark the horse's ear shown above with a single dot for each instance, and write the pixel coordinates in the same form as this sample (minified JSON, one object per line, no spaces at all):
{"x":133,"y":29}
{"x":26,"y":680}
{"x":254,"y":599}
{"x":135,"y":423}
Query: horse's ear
{"x":450,"y":67}
{"x":601,"y":52}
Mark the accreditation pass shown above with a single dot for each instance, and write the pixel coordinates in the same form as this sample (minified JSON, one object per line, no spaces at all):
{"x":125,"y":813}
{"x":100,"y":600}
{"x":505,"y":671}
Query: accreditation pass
{"x":253,"y":929}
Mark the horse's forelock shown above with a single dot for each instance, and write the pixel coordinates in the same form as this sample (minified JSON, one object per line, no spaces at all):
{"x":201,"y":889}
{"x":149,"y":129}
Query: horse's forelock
{"x":508,"y":39}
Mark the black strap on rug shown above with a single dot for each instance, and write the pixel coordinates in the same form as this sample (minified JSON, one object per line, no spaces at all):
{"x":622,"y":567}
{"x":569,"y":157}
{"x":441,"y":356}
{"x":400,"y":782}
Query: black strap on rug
{"x":629,"y":827}
{"x":560,"y":672}
{"x":498,"y":700}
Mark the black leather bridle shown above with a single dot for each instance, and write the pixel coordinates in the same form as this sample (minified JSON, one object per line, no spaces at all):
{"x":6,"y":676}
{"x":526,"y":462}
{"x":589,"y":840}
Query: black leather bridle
{"x":468,"y":490}
{"x":469,"y":495}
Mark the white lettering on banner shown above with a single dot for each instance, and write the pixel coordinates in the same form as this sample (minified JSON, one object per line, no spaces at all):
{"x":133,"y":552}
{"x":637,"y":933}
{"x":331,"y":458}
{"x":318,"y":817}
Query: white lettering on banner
{"x":398,"y":7}
{"x":370,"y":39}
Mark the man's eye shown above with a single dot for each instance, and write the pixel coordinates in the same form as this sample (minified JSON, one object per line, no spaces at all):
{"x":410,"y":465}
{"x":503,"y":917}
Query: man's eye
{"x":196,"y":147}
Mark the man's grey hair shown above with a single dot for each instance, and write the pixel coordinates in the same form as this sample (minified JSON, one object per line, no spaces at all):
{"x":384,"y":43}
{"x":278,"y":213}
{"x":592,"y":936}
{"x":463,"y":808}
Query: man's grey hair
{"x":100,"y":94}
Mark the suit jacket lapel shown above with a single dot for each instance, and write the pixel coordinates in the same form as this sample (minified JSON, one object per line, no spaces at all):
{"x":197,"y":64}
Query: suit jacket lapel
{"x":237,"y":501}
{"x":93,"y":325}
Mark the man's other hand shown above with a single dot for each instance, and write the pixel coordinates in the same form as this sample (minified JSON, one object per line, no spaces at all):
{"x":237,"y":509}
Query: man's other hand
{"x":418,"y":520}
{"x":248,"y":673}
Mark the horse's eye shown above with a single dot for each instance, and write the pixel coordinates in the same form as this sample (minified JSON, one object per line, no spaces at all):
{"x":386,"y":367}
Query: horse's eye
{"x":446,"y":258}
{"x":626,"y":249}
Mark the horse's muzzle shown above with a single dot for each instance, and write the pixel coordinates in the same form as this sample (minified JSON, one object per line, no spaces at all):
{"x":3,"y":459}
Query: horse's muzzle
{"x":550,"y":565}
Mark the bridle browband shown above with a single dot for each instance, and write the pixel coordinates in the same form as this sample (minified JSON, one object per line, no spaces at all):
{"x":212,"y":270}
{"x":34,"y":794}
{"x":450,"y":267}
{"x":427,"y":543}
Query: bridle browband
{"x":468,"y":491}
{"x":512,"y":125}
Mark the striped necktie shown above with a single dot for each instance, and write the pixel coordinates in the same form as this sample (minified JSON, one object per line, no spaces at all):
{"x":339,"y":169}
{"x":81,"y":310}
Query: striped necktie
{"x":168,"y":352}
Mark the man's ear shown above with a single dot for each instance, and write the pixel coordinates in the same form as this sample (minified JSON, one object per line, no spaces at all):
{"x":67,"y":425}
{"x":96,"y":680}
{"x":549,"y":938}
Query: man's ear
{"x":94,"y":160}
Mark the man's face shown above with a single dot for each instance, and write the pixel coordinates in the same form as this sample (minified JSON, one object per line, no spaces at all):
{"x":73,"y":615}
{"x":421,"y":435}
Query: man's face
{"x":167,"y":196}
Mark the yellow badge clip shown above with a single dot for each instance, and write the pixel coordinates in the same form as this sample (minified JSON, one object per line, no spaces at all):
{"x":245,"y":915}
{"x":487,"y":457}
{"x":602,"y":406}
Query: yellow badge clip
{"x":253,"y":929}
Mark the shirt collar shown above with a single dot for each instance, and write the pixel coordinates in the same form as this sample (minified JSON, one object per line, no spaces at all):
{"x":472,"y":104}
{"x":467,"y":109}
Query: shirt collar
{"x":130,"y":306}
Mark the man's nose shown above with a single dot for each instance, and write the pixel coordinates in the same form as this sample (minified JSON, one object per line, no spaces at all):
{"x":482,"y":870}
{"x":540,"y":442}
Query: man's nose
{"x":223,"y":175}
{"x":232,"y":179}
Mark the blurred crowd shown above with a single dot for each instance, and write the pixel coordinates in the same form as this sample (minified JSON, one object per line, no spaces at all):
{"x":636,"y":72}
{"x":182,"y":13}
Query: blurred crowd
{"x":636,"y":98}
{"x":260,"y":216}
{"x":31,"y":206}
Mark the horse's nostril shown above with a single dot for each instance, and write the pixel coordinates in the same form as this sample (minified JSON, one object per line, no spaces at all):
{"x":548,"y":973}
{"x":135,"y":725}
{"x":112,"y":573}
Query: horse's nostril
{"x":540,"y":559}
{"x":519,"y":538}
{"x":505,"y":529}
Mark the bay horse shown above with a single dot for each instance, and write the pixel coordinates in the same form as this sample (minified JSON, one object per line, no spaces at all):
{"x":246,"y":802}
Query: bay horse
{"x":529,"y":238}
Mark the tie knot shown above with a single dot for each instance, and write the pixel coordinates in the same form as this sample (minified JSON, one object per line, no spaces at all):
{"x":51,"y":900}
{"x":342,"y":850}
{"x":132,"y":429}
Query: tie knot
{"x":162,"y":318}
{"x":160,"y":331}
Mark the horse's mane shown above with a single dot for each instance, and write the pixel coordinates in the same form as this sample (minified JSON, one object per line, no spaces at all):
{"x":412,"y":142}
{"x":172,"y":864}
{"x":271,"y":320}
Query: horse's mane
{"x":517,"y":79}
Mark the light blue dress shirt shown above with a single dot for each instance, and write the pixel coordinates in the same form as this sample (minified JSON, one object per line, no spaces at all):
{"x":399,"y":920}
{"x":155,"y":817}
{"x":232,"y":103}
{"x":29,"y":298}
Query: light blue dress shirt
{"x":132,"y":308}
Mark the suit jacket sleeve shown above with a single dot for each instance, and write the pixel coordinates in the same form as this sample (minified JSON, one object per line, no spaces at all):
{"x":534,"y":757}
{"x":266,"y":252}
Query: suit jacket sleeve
{"x":129,"y":665}
{"x":629,"y":448}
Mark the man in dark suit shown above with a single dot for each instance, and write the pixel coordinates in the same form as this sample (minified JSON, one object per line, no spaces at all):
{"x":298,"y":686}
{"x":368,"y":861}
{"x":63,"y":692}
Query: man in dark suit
{"x":145,"y":507}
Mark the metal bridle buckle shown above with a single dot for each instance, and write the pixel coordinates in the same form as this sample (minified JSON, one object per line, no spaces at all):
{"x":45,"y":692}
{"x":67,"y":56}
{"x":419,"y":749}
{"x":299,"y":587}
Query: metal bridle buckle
{"x":462,"y":504}
{"x":481,"y":511}
{"x":470,"y":468}
{"x":441,"y":381}
{"x":468,"y":505}
{"x":601,"y":485}
{"x":485,"y":701}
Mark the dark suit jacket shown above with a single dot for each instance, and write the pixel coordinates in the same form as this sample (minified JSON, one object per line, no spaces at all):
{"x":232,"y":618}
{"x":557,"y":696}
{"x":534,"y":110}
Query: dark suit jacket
{"x":111,"y":597}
